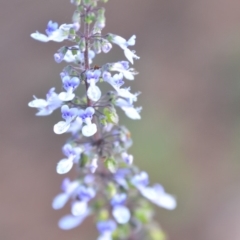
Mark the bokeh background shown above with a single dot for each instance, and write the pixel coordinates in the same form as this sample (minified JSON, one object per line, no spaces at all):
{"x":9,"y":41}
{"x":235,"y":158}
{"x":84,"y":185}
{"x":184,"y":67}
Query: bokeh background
{"x":189,"y":135}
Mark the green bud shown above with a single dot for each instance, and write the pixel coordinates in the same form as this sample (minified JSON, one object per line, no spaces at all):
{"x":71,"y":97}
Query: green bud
{"x":98,"y":205}
{"x":97,"y":46}
{"x":122,"y":232}
{"x":111,"y":115}
{"x":83,"y":160}
{"x":111,"y":189}
{"x":103,"y":215}
{"x":72,"y":33}
{"x":76,"y":17}
{"x":80,"y":8}
{"x":74,"y":52}
{"x":111,"y":165}
{"x":82,"y":44}
{"x":90,"y":18}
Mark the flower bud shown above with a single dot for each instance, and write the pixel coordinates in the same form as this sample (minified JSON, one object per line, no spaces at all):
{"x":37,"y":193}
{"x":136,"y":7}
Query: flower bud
{"x":60,"y":54}
{"x":76,"y":17}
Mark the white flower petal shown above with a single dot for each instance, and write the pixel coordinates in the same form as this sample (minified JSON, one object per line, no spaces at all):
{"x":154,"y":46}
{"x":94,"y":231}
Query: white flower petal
{"x":121,"y":214}
{"x":89,"y":130}
{"x":131,"y":112}
{"x":130,"y":55}
{"x":79,"y":208}
{"x":128,"y":75}
{"x":61,"y":127}
{"x":59,"y":201}
{"x":161,"y":199}
{"x":44,"y":112}
{"x":69,"y":222}
{"x":65,"y":96}
{"x":167,"y":201}
{"x":132,"y":40}
{"x":64,"y":166}
{"x":38,"y":103}
{"x":94,"y":93}
{"x":40,"y":37}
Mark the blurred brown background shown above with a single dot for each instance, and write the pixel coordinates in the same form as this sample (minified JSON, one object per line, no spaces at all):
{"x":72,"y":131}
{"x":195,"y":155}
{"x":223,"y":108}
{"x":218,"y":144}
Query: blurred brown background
{"x":188,"y":138}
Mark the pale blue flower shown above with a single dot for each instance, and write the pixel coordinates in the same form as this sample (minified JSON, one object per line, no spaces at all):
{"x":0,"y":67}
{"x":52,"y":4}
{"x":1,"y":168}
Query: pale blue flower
{"x":118,"y":199}
{"x":106,"y":47}
{"x":86,"y":193}
{"x":72,"y":154}
{"x":58,"y":35}
{"x":121,"y":214}
{"x":69,"y":84}
{"x":68,"y":114}
{"x":69,"y":222}
{"x":93,"y":92}
{"x":79,"y":57}
{"x":46,"y":107}
{"x":140,"y":180}
{"x":79,"y":208}
{"x":127,"y":106}
{"x":69,"y":188}
{"x":93,"y":165}
{"x":157,"y":195}
{"x":127,"y":158}
{"x":90,"y":128}
{"x":107,"y":226}
{"x":124,"y":44}
{"x":51,"y":27}
{"x":123,"y":67}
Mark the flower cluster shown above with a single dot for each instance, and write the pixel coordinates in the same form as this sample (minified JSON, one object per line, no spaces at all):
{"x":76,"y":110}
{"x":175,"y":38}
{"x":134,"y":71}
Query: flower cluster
{"x":108,"y":185}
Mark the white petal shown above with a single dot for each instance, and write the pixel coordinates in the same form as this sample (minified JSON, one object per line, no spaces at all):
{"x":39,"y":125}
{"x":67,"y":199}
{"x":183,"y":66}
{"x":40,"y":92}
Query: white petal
{"x":64,"y":166}
{"x":69,"y":222}
{"x":38,"y":103}
{"x":131,"y":40}
{"x":121,"y":214}
{"x":167,"y":201}
{"x":94,"y":93}
{"x":61,"y":127}
{"x":44,"y":112}
{"x":79,"y":208}
{"x":59,"y":201}
{"x":161,"y":199}
{"x":128,"y":75}
{"x":119,"y":41}
{"x":65,"y":96}
{"x":40,"y":37}
{"x":130,"y":55}
{"x":105,"y":236}
{"x":58,"y":36}
{"x":89,"y":130}
{"x":131,"y":112}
